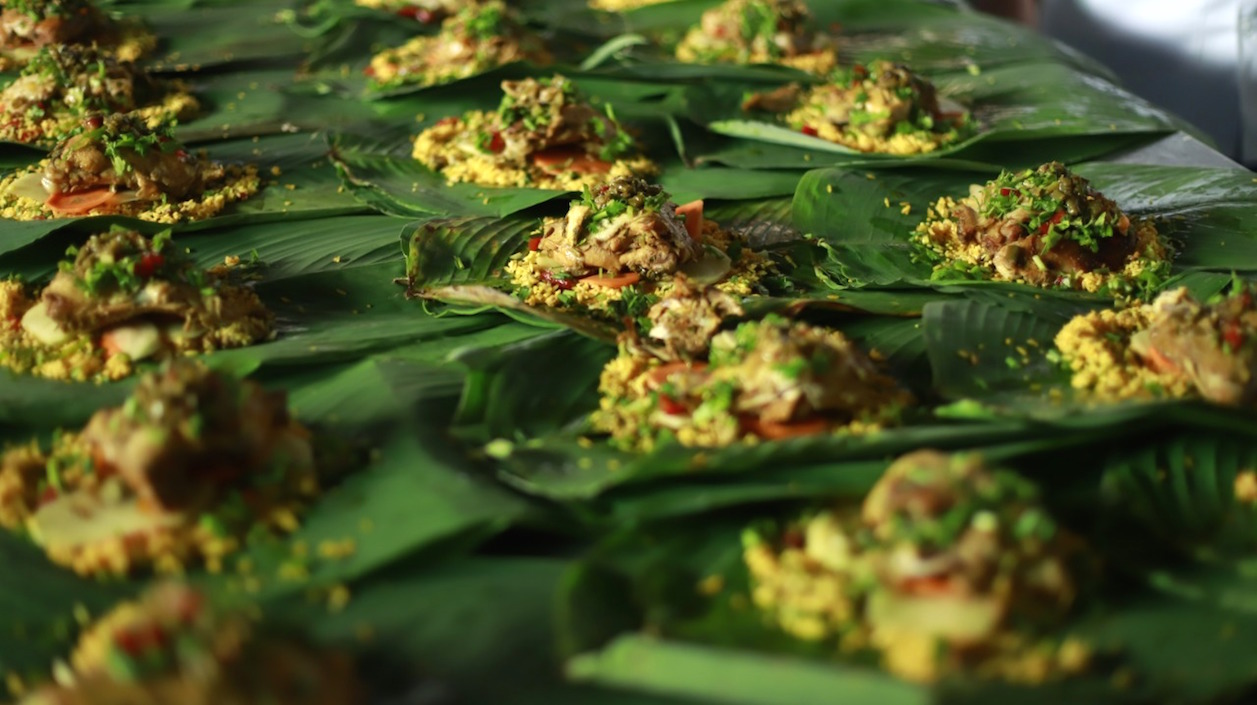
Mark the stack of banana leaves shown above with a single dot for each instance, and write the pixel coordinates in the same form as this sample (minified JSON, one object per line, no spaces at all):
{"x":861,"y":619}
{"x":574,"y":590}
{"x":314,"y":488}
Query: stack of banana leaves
{"x":759,"y":352}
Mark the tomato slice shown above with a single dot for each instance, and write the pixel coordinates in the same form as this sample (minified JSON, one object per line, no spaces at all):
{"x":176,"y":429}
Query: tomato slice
{"x":776,"y":431}
{"x":560,"y":159}
{"x":616,"y":282}
{"x":693,"y":212}
{"x":81,"y":202}
{"x":927,"y":586}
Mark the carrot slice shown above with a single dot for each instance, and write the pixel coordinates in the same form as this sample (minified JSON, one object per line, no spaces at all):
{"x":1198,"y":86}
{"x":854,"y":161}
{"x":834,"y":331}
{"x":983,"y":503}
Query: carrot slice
{"x":109,"y":343}
{"x":81,"y":202}
{"x":616,"y":282}
{"x":661,"y":373}
{"x":570,"y":159}
{"x":776,"y":431}
{"x":1158,"y":362}
{"x":693,"y":212}
{"x":933,"y":585}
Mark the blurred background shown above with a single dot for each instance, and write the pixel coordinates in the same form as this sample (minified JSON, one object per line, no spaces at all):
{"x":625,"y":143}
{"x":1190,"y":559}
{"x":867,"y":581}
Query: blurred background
{"x":1195,"y":58}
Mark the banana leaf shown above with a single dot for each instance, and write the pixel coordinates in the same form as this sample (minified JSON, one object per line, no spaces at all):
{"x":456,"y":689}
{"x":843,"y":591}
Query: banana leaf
{"x":718,"y":649}
{"x":1048,"y":107}
{"x":210,"y":36}
{"x":453,"y":623}
{"x":1200,"y":211}
{"x":376,"y":163}
{"x":406,"y":498}
{"x":298,"y":182}
{"x":993,"y":361}
{"x":538,"y":435}
{"x":932,"y":37}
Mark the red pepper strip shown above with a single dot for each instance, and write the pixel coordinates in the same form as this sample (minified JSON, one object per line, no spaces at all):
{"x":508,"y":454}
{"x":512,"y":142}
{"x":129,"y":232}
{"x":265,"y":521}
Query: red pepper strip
{"x":149,"y":263}
{"x":670,"y":406}
{"x":1057,"y":217}
{"x":1233,"y":336}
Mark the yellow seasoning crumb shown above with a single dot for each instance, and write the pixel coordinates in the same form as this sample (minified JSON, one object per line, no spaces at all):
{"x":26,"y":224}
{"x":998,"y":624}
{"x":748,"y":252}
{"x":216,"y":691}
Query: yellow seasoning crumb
{"x":14,"y":683}
{"x":338,"y":549}
{"x":711,"y":585}
{"x":231,"y":260}
{"x":1246,"y":487}
{"x":338,"y":598}
{"x":886,"y":201}
{"x":276,"y":171}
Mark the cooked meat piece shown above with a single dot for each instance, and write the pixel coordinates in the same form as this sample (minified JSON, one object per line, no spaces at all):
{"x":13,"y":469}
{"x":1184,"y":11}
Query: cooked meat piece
{"x":37,"y":23}
{"x":947,"y":518}
{"x":1213,"y":344}
{"x":1044,"y":227}
{"x":80,"y":76}
{"x":780,"y":100}
{"x":186,"y":433}
{"x":874,"y":100}
{"x":747,"y":31}
{"x":686,"y":319}
{"x":173,"y":645}
{"x":627,"y":225}
{"x":792,"y":371}
{"x":120,"y":152}
{"x":537,"y":115}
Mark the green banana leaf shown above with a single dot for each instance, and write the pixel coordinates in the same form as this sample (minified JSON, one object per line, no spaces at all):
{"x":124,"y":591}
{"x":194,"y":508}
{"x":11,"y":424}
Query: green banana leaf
{"x":209,"y":36}
{"x":376,"y":164}
{"x":1200,"y":211}
{"x":297,"y":178}
{"x":1054,"y":108}
{"x":932,"y":37}
{"x":406,"y":498}
{"x":453,"y":623}
{"x":538,"y":436}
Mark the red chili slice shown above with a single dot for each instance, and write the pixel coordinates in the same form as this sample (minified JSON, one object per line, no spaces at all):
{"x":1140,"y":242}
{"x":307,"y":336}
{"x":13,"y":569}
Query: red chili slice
{"x":671,"y":407}
{"x":149,"y":263}
{"x":557,"y":282}
{"x":1233,"y":336}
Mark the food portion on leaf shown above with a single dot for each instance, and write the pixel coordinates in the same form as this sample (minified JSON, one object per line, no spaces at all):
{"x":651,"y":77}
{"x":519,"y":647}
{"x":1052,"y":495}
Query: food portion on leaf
{"x":482,"y":36}
{"x":1046,"y":227}
{"x":622,"y":244}
{"x":424,"y":11}
{"x":191,"y":464}
{"x":172,"y":644}
{"x":1175,"y":346}
{"x":118,"y":165}
{"x":759,"y":32}
{"x":544,"y":134}
{"x":62,"y":84}
{"x":122,"y":298}
{"x":949,"y":568}
{"x":882,"y":107}
{"x":770,"y":379}
{"x":26,"y":26}
{"x":622,"y":5}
